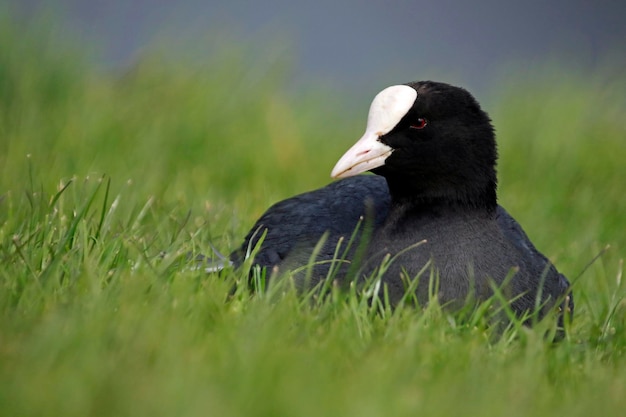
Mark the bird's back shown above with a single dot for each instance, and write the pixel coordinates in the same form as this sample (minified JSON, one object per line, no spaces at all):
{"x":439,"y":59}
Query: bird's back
{"x":293,"y":227}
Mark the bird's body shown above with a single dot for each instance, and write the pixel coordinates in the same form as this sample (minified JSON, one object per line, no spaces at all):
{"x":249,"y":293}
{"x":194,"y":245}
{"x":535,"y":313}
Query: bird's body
{"x":434,"y":149}
{"x":469,"y":250}
{"x":291,"y":228}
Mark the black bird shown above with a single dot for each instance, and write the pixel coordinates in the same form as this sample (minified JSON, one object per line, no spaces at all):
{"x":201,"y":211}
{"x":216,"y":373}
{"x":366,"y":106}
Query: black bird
{"x":436,"y":149}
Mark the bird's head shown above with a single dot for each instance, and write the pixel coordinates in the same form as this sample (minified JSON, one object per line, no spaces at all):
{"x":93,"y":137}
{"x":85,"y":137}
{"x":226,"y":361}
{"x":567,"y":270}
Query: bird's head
{"x":429,"y":140}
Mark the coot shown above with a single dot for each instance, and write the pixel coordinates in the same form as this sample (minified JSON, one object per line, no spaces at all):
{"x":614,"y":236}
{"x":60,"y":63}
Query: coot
{"x":434,"y":151}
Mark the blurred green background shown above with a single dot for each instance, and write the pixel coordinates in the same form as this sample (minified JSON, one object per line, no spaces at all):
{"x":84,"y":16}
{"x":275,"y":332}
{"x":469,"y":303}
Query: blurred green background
{"x":104,"y":170}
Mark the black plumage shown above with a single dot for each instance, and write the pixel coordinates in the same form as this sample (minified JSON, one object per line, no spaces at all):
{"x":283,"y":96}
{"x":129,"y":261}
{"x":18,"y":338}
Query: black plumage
{"x":435,"y":148}
{"x":291,"y":228}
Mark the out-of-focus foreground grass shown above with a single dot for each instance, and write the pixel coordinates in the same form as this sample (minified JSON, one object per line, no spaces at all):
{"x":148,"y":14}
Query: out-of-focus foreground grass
{"x":101,"y":174}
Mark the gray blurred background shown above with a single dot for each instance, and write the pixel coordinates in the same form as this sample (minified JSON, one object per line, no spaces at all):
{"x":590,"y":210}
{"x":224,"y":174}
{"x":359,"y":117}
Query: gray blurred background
{"x":361,"y":45}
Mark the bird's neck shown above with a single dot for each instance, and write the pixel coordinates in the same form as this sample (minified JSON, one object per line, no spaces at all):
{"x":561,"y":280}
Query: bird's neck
{"x":443,"y":197}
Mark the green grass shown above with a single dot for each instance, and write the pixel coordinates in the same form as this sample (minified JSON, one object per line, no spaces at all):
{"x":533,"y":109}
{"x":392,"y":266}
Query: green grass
{"x":101,"y":174}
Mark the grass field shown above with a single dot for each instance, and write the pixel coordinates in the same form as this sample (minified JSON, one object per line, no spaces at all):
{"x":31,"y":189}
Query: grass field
{"x":101,"y":174}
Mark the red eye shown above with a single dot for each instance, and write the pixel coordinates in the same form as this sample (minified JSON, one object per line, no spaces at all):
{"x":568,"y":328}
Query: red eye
{"x":419,"y":124}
